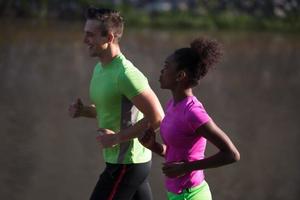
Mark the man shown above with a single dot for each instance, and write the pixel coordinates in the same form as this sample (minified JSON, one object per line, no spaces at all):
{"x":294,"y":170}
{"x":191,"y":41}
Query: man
{"x":121,"y":96}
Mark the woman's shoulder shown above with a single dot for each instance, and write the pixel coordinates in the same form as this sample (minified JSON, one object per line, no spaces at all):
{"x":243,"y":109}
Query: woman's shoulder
{"x":193,"y":103}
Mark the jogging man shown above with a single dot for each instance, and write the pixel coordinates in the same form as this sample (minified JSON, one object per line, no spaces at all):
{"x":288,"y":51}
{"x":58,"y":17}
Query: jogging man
{"x":124,"y":106}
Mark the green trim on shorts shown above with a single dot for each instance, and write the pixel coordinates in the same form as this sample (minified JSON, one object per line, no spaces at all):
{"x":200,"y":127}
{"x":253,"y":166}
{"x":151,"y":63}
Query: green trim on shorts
{"x":200,"y":192}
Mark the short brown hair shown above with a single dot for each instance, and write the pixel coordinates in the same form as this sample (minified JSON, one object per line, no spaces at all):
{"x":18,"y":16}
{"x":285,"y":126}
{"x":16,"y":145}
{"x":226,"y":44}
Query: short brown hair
{"x":110,"y":20}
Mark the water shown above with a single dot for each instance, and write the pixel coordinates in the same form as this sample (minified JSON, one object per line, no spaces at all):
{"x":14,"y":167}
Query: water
{"x":253,"y":94}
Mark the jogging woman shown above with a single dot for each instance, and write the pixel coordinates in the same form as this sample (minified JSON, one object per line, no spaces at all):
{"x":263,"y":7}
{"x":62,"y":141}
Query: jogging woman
{"x":186,"y":126}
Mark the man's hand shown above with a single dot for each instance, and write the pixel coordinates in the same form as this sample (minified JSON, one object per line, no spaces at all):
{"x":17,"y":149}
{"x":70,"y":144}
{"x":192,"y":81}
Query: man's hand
{"x":107,"y":138}
{"x":76,"y":108}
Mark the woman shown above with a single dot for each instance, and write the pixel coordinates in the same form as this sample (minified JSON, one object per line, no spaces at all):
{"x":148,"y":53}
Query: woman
{"x":186,"y":126}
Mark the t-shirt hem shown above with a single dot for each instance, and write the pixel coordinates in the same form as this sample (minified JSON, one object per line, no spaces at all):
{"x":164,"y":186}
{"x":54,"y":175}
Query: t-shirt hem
{"x":128,"y":162}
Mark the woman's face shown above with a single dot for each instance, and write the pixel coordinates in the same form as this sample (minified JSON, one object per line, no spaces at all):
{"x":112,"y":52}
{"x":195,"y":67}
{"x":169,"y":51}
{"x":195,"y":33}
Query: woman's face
{"x":168,"y":74}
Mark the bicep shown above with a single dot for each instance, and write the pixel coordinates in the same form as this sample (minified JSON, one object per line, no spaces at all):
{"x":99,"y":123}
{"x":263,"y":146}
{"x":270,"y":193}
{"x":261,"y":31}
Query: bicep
{"x":148,"y":103}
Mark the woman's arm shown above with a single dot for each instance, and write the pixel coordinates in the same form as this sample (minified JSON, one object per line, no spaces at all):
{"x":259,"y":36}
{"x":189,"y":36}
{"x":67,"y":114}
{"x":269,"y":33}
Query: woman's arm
{"x":227,"y":154}
{"x":149,"y":141}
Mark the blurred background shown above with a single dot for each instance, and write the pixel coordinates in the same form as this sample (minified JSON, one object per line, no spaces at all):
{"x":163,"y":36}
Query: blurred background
{"x":253,"y":94}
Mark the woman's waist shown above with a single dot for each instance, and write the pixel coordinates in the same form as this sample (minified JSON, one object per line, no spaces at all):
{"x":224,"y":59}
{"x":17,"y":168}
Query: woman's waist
{"x":177,"y":185}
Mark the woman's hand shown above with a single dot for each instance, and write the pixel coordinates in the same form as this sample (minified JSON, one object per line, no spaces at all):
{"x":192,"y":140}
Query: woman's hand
{"x":148,"y":139}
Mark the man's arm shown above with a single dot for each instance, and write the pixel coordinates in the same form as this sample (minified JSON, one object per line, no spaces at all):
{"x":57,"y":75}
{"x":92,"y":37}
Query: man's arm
{"x":148,"y":103}
{"x":89,"y":111}
{"x":78,"y":109}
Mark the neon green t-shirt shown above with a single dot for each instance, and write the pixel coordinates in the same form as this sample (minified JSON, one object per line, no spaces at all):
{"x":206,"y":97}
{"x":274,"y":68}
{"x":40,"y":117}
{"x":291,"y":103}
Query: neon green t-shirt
{"x":111,"y":89}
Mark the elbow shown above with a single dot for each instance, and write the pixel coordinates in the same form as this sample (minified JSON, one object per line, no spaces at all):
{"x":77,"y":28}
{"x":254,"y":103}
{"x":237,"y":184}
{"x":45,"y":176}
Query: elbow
{"x":159,"y":119}
{"x":155,"y":122}
{"x":155,"y":118}
{"x":235,"y":156}
{"x":232,"y":156}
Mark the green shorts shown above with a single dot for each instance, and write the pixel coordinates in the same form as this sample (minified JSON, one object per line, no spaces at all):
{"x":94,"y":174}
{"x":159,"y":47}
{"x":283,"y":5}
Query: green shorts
{"x":200,"y":192}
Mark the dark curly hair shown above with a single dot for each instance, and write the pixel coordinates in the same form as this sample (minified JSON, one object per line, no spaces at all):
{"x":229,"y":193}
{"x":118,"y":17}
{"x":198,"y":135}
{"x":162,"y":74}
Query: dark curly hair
{"x":110,"y":20}
{"x":198,"y":58}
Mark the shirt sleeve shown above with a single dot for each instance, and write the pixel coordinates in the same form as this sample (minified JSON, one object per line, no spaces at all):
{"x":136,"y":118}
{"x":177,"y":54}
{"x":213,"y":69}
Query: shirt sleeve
{"x":197,"y":116}
{"x":132,"y":82}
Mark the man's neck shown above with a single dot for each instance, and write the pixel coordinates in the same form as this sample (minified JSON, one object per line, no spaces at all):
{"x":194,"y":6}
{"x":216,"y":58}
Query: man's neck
{"x":110,"y":54}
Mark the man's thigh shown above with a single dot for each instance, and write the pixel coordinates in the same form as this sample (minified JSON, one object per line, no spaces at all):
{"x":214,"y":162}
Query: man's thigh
{"x":120,"y":182}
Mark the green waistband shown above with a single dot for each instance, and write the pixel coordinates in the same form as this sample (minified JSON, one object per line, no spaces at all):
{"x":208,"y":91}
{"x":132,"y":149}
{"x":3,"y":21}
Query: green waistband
{"x":192,"y":189}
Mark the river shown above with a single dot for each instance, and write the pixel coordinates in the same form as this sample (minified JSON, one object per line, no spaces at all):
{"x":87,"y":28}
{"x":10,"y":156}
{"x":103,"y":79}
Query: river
{"x":253,"y":94}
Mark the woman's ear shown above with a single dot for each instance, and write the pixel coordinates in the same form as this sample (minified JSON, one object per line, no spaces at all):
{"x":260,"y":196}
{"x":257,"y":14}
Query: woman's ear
{"x":181,"y":75}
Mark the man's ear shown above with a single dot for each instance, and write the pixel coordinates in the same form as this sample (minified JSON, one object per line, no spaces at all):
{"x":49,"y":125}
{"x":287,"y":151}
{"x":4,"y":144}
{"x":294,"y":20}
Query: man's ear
{"x":181,"y":75}
{"x":110,"y":37}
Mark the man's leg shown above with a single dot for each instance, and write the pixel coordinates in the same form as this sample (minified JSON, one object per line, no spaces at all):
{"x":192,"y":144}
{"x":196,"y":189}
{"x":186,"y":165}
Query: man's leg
{"x":119,"y":182}
{"x":144,"y":192}
{"x":107,"y":180}
{"x":136,"y":176}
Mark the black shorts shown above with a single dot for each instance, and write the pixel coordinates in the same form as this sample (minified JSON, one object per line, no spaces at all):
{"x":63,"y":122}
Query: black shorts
{"x":123,"y":182}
